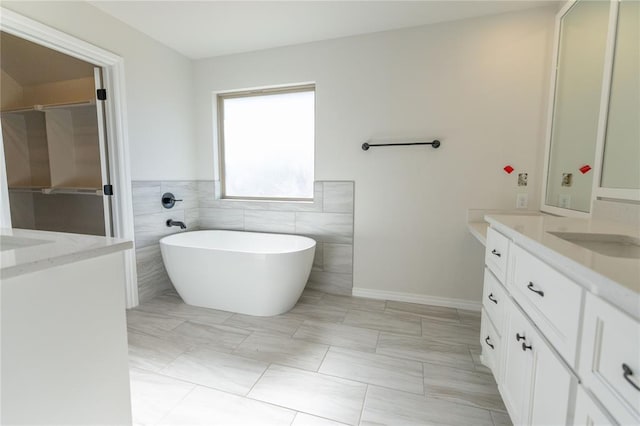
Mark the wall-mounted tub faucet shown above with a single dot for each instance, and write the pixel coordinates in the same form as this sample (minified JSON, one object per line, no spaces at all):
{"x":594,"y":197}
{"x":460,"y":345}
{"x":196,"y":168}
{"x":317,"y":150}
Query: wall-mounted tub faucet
{"x":171,"y":222}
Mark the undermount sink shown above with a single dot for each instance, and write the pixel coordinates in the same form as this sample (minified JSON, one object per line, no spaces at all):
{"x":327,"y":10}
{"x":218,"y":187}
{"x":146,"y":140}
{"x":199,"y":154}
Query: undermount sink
{"x":613,"y":245}
{"x":8,"y":242}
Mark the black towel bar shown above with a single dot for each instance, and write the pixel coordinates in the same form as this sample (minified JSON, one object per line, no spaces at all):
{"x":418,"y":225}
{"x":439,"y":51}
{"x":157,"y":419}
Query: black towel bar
{"x":367,"y":145}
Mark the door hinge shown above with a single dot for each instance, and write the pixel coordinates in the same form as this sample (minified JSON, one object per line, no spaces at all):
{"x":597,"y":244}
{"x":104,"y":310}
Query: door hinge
{"x":107,"y":190}
{"x":102,"y":94}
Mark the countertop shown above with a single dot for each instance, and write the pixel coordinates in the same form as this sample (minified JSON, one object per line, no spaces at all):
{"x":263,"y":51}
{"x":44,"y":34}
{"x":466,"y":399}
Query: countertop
{"x":23,"y":251}
{"x":614,"y":279}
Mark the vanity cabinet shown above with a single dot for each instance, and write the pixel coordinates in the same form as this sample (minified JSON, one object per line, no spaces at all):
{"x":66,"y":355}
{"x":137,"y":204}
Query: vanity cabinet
{"x":559,"y":353}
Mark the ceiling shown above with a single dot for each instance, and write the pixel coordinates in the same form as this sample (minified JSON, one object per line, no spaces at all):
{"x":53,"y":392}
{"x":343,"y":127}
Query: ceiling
{"x":30,"y":64}
{"x":202,"y":29}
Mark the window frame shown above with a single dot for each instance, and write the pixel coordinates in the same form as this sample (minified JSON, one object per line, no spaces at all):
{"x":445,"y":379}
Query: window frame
{"x":220,"y":98}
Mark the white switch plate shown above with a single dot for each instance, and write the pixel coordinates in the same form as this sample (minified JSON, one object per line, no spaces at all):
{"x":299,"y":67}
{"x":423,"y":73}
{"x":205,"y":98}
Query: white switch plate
{"x":522,"y":201}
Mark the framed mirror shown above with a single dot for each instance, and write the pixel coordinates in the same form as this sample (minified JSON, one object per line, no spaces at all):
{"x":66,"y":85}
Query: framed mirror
{"x":619,"y":177}
{"x":582,"y":34}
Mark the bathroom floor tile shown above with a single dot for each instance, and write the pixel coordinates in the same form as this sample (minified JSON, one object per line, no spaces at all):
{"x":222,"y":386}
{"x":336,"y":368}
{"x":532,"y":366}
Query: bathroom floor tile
{"x":175,"y":307}
{"x":462,"y":386}
{"x":349,"y":302}
{"x":501,"y":419}
{"x":374,"y":369}
{"x":324,"y":313}
{"x":150,"y":352}
{"x":204,"y":406}
{"x":471,"y":318}
{"x":217,"y":370}
{"x":154,"y":395}
{"x":304,"y":419}
{"x":384,"y":321}
{"x":216,"y":337}
{"x":421,"y":349}
{"x":427,"y":311}
{"x":330,"y":397}
{"x":362,"y":339}
{"x":391,"y":407}
{"x":280,"y":324}
{"x":446,"y":332}
{"x":150,"y":323}
{"x":282,"y":350}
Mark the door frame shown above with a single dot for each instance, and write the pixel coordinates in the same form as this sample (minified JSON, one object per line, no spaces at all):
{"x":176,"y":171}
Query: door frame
{"x":116,"y":125}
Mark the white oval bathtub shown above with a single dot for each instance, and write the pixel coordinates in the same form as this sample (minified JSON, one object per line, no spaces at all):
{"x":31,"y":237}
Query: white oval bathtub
{"x":245,"y":272}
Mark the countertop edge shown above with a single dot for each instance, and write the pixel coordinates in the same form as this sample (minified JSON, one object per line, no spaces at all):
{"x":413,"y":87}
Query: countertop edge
{"x":479,"y":231}
{"x":40,"y":265}
{"x":612,"y":292}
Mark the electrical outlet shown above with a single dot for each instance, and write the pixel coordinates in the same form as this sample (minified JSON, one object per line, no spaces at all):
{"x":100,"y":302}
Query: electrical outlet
{"x":522,"y":201}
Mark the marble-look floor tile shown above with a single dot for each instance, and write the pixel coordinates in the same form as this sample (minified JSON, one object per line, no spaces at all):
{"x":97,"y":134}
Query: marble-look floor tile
{"x":217,"y":370}
{"x":154,"y":395}
{"x":374,"y":369}
{"x":282,"y":350}
{"x":384,"y":321}
{"x":391,"y":407}
{"x":445,"y":332}
{"x":216,"y":337}
{"x":462,"y":386}
{"x":281,"y":324}
{"x":362,"y":339}
{"x":350,"y":302}
{"x":331,"y":282}
{"x":501,"y":419}
{"x":150,"y":352}
{"x":175,"y":307}
{"x":205,"y":406}
{"x":317,"y":312}
{"x":432,"y":312}
{"x":330,"y":397}
{"x":304,"y":419}
{"x":310,"y":296}
{"x":150,"y":323}
{"x":471,"y":318}
{"x":420,"y":349}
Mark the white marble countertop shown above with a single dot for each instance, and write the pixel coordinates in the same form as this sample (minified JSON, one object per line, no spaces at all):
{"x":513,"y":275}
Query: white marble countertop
{"x":479,"y":230}
{"x":23,"y":251}
{"x":614,"y":279}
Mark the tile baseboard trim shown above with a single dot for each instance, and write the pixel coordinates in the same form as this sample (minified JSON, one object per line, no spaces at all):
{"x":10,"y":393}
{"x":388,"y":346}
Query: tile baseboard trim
{"x":423,"y":299}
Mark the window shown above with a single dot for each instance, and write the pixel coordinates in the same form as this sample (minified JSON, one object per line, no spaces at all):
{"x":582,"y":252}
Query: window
{"x":267,"y":143}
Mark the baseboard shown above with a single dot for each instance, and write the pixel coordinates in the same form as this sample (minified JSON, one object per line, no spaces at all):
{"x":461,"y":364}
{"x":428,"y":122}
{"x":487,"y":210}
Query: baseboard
{"x":423,"y":299}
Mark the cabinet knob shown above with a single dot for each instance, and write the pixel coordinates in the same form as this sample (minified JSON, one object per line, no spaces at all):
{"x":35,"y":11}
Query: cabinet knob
{"x":531,"y":287}
{"x":492,"y":298}
{"x":495,"y":253}
{"x":488,"y":343}
{"x":627,"y":372}
{"x":519,"y":337}
{"x":525,"y":346}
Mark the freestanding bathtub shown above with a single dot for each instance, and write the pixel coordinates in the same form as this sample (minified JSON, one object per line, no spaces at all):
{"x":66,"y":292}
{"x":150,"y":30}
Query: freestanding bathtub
{"x":245,"y":272}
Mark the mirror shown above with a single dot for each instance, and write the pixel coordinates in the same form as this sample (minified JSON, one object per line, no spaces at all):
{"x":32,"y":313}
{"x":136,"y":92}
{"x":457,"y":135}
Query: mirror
{"x":580,"y":64}
{"x":621,"y":159}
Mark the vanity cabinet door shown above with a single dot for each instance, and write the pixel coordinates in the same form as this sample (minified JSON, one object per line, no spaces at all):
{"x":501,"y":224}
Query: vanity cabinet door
{"x":536,"y":385}
{"x":588,"y":412}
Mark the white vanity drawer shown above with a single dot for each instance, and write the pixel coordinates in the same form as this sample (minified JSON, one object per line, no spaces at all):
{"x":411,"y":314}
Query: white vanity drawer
{"x":609,"y":362}
{"x":550,"y":299}
{"x":493,"y":300}
{"x":497,"y":253}
{"x":490,"y":341}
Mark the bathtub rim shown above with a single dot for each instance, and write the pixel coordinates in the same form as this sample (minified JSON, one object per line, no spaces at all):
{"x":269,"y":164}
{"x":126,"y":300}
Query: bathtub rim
{"x":174,"y":240}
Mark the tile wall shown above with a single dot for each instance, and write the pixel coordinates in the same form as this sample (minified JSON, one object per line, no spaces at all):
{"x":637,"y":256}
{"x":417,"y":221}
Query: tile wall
{"x":328,"y":220}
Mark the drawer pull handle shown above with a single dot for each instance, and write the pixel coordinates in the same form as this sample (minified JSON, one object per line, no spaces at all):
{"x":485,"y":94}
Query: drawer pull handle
{"x":495,"y":253}
{"x":530,"y":287}
{"x":487,"y":342}
{"x":627,"y":373}
{"x":525,"y":346}
{"x":519,"y":337}
{"x":492,"y":298}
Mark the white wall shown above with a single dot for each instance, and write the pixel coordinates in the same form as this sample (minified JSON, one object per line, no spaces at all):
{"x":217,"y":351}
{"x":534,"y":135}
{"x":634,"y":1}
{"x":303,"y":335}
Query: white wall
{"x":479,"y":85}
{"x":158,"y":84}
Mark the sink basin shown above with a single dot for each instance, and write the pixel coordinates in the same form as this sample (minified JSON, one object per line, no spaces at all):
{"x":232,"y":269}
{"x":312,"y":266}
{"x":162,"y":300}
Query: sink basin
{"x":8,"y":242}
{"x":608,"y":244}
